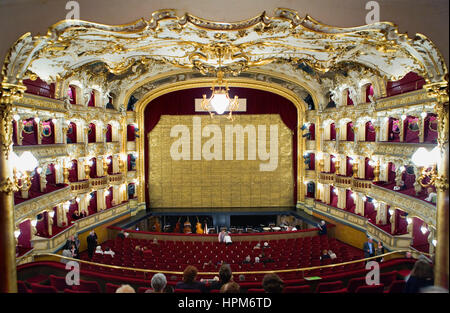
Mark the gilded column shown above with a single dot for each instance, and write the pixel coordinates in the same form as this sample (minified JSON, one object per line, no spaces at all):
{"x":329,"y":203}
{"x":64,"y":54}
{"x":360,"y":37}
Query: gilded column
{"x":8,"y":274}
{"x":439,"y":91}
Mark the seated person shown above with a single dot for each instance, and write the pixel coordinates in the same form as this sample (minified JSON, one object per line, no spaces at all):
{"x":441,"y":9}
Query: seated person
{"x":109,"y":251}
{"x":257,"y":259}
{"x":258,"y":246}
{"x":432,"y":196}
{"x":121,"y":235}
{"x":325,"y":255}
{"x":266,"y":245}
{"x":400,"y":186}
{"x":227,"y":239}
{"x":155,"y":241}
{"x":332,"y":254}
{"x":76,"y":215}
{"x":247,"y":260}
{"x":189,"y":282}
{"x":99,"y":250}
{"x":322,"y":228}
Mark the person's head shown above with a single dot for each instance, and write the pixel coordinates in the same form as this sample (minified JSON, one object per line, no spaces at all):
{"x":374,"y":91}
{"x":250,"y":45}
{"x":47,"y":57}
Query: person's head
{"x":225,"y":273}
{"x":322,"y":223}
{"x":430,"y":190}
{"x":324,"y":252}
{"x":72,"y":238}
{"x":241,"y":277}
{"x":99,"y":248}
{"x":422,"y":269}
{"x":189,"y":274}
{"x":370,"y":239}
{"x":247,"y":257}
{"x":380,"y":244}
{"x":272,"y":283}
{"x":159,"y":282}
{"x":125,"y":289}
{"x":230,"y":287}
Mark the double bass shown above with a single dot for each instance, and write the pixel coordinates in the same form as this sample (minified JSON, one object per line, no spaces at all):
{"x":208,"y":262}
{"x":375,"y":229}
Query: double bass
{"x":198,"y":226}
{"x":178,"y":226}
{"x":187,"y":227}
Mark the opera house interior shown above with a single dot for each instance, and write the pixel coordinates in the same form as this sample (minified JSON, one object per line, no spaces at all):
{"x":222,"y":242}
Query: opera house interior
{"x":280,"y":145}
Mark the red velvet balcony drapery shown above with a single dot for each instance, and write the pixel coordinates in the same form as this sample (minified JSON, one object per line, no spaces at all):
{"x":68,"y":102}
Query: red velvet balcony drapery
{"x":91,"y":133}
{"x":349,"y":100}
{"x":110,"y":165}
{"x":333,"y":197}
{"x":332,"y":164}
{"x":14,"y":136}
{"x":258,"y":102}
{"x":394,"y":129}
{"x":29,"y":132}
{"x":93,"y":168}
{"x":420,"y":240}
{"x":332,"y":131}
{"x":72,"y":133}
{"x":48,"y":132}
{"x":92,"y":208}
{"x":109,"y":133}
{"x":312,"y":161}
{"x":409,"y":82}
{"x":368,"y":171}
{"x":109,"y":198}
{"x":411,"y":129}
{"x":40,"y":88}
{"x":73,"y":171}
{"x":391,"y":172}
{"x":348,"y":167}
{"x":312,"y":131}
{"x":51,"y":174}
{"x":430,"y":128}
{"x":370,"y":132}
{"x":131,"y":134}
{"x":350,"y":203}
{"x":91,"y":102}
{"x":350,"y":132}
{"x":24,"y":239}
{"x":369,"y":92}
{"x":72,"y":93}
{"x":369,"y":211}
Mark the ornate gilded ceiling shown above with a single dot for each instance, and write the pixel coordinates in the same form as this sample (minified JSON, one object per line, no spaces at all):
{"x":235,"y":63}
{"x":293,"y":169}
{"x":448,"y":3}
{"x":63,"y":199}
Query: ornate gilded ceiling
{"x":192,"y":43}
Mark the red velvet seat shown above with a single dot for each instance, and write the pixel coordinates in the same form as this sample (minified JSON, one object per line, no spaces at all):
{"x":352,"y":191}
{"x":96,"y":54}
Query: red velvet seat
{"x":36,"y":288}
{"x":297,"y":289}
{"x":111,"y":288}
{"x":254,"y":290}
{"x":387,"y":278}
{"x":397,"y":286}
{"x":144,"y":289}
{"x":74,"y":291}
{"x":22,"y":287}
{"x":370,"y":289}
{"x":59,"y":283}
{"x":85,"y":285}
{"x":354,"y":283}
{"x":187,"y":291}
{"x":331,"y":286}
{"x":343,"y":290}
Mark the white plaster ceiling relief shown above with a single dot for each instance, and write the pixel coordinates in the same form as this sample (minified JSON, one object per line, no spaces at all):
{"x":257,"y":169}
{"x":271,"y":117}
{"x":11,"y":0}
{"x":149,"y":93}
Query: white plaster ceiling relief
{"x":190,"y":42}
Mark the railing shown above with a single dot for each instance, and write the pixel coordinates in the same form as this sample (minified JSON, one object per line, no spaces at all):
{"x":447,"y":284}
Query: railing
{"x":99,"y":182}
{"x":414,"y":254}
{"x":80,"y":186}
{"x":343,"y":181}
{"x":361,"y":185}
{"x":326,"y":178}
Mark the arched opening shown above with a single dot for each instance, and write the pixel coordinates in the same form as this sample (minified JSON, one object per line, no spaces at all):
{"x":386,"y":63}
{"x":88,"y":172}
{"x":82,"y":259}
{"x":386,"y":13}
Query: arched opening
{"x":370,"y":134}
{"x":71,"y":133}
{"x":92,"y":137}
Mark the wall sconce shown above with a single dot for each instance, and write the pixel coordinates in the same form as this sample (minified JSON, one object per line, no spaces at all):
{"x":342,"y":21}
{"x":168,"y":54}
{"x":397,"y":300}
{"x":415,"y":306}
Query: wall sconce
{"x":428,"y":162}
{"x":22,"y":168}
{"x":423,"y":229}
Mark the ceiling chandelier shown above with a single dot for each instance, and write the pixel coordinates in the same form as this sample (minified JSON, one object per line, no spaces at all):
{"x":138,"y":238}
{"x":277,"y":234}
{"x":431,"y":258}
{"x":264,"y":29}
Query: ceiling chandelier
{"x":220,"y":101}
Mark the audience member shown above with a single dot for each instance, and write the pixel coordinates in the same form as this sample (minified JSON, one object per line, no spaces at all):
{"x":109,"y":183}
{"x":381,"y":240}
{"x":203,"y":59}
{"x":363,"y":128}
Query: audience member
{"x":68,"y":252}
{"x":322,"y":228}
{"x":332,"y":254}
{"x":256,"y":259}
{"x":99,"y":250}
{"x":109,"y":251}
{"x":230,"y":287}
{"x":125,"y":289}
{"x":189,"y":282}
{"x":380,"y":251}
{"x":155,"y":241}
{"x":221,"y":236}
{"x":121,"y":235}
{"x":247,"y":260}
{"x":158,"y":283}
{"x":325,"y":255}
{"x":369,"y":249}
{"x":258,"y":246}
{"x":431,"y":195}
{"x":225,"y":276}
{"x":421,"y":276}
{"x":91,"y":243}
{"x":242,"y":277}
{"x":272,"y":283}
{"x":227,"y":238}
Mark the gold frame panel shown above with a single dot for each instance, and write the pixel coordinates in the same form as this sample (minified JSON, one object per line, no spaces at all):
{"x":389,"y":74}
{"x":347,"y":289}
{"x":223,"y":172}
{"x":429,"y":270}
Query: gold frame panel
{"x":207,"y":82}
